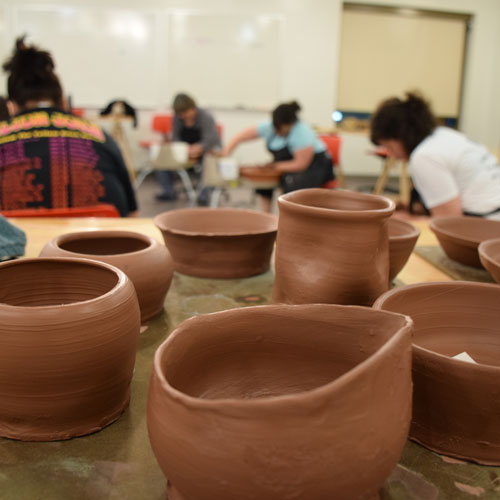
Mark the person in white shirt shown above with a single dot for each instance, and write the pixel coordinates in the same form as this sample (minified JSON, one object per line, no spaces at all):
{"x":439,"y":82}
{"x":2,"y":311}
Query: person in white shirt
{"x":452,"y":174}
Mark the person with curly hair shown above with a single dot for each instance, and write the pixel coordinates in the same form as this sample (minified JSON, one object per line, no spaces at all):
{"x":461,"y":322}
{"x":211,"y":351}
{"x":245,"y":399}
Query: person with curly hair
{"x":452,"y":174}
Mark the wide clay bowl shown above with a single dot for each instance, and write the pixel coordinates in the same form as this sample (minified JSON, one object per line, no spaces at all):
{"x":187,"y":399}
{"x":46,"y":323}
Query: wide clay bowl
{"x":403,"y":237}
{"x":304,"y":402}
{"x":456,"y":405}
{"x":68,"y":336}
{"x":145,"y":261}
{"x":460,"y":236}
{"x":489,"y":254}
{"x":332,"y":247}
{"x":218,"y":242}
{"x":260,"y":174}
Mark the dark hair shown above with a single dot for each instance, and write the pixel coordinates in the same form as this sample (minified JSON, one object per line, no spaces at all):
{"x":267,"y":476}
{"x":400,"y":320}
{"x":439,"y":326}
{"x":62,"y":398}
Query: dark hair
{"x":31,"y":75}
{"x":4,"y":109}
{"x":409,"y":121}
{"x":183,"y":102}
{"x":285,"y":114}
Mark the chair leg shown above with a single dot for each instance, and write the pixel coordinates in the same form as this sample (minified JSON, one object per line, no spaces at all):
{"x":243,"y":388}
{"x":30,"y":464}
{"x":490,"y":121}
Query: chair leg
{"x":188,"y":186}
{"x":404,"y":185}
{"x":143,"y":173}
{"x":215,"y":198}
{"x":384,"y":176}
{"x":340,"y":175}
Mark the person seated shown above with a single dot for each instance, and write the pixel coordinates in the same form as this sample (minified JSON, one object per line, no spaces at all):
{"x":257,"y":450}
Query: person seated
{"x":452,"y":174}
{"x":48,"y":157}
{"x":298,"y":154}
{"x":195,"y":126}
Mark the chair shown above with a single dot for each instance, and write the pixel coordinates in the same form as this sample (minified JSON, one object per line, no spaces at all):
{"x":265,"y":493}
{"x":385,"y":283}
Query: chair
{"x":101,"y":210}
{"x":333,"y":144}
{"x":162,"y":124}
{"x":404,"y":180}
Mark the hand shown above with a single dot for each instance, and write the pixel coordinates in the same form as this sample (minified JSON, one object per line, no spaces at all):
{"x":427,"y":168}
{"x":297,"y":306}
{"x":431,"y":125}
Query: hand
{"x":195,"y":151}
{"x":225,"y":152}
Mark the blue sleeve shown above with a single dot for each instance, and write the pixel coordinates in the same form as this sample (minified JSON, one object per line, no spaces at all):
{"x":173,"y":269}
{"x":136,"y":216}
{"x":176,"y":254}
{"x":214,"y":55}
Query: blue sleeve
{"x":265,"y":130}
{"x":301,"y":136}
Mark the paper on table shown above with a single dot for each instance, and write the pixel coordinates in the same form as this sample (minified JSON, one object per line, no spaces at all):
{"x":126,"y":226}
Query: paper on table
{"x":463,"y":356}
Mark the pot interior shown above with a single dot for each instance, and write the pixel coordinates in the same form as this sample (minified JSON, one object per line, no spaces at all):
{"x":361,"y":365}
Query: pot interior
{"x":474,"y":229}
{"x":453,"y":318}
{"x":259,"y":355}
{"x":41,"y":282}
{"x":104,"y":245}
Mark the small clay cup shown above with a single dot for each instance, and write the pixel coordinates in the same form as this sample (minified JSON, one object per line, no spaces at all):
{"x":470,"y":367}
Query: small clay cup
{"x":489,"y":254}
{"x":332,"y":247}
{"x":68,"y":337}
{"x":456,"y":405}
{"x":304,"y":402}
{"x":403,"y":237}
{"x":145,"y":261}
{"x":459,"y":237}
{"x":218,"y":242}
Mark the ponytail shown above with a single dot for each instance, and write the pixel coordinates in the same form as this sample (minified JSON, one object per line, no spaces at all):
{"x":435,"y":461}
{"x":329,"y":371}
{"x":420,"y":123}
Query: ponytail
{"x":285,"y":114}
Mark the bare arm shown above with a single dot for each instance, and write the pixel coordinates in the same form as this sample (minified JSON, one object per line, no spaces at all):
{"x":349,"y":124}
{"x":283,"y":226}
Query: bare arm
{"x":452,"y":207}
{"x":248,"y":134}
{"x":301,"y":160}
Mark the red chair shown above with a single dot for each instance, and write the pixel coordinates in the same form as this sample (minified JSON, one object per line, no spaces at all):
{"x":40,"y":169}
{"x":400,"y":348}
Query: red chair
{"x":101,"y":210}
{"x":162,"y":124}
{"x":333,"y":144}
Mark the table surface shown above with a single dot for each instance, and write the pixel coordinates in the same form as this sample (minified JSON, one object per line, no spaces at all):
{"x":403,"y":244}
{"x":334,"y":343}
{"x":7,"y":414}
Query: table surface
{"x":118,"y":463}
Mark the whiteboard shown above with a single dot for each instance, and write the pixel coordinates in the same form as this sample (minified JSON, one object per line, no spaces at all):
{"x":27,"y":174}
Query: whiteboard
{"x":101,"y":53}
{"x":225,"y":60}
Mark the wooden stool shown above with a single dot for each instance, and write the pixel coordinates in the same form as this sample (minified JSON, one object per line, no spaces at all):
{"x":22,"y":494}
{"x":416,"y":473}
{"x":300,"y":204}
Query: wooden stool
{"x":404,"y":180}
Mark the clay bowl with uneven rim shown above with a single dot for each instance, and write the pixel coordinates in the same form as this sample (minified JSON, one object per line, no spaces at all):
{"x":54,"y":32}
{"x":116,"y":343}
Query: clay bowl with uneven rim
{"x":282,"y":401}
{"x":332,"y":247}
{"x":456,"y":405}
{"x":145,"y":261}
{"x":218,"y":242}
{"x":403,"y":237}
{"x":68,"y":337}
{"x":459,"y":237}
{"x":489,"y":254}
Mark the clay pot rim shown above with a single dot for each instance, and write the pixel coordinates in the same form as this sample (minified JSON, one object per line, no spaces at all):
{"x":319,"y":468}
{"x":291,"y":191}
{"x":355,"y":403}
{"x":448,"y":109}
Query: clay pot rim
{"x":484,"y":251}
{"x":68,"y":237}
{"x":120,"y":283}
{"x":414,"y":231}
{"x":376,"y":213}
{"x":435,"y":227}
{"x":272,"y":401}
{"x":159,"y":223}
{"x":433,"y":355}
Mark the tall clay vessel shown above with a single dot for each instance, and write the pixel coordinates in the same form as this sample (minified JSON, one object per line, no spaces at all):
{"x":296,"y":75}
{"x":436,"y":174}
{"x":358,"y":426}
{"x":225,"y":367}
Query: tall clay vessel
{"x":68,"y":337}
{"x":310,"y":402}
{"x":332,"y":247}
{"x":145,"y":261}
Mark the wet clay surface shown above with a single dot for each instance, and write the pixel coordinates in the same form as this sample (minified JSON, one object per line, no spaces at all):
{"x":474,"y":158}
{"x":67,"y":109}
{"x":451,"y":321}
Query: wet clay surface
{"x":332,"y":247}
{"x":281,"y":368}
{"x":219,"y":243}
{"x":118,"y":463}
{"x":456,"y":404}
{"x":489,"y":254}
{"x":145,"y":261}
{"x":461,"y":236}
{"x":260,"y":174}
{"x":68,"y":336}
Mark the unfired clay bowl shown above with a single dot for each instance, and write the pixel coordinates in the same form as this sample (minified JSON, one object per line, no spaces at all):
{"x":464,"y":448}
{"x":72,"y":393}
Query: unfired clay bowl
{"x":489,"y":254}
{"x":456,"y":405}
{"x":218,"y":242}
{"x":460,"y":236}
{"x":332,"y":247}
{"x":304,"y":402}
{"x":260,"y":174}
{"x":68,"y":336}
{"x":403,"y":237}
{"x":145,"y":261}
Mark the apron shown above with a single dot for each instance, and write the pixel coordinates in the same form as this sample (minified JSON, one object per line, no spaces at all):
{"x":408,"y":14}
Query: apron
{"x":319,"y":171}
{"x":191,"y":135}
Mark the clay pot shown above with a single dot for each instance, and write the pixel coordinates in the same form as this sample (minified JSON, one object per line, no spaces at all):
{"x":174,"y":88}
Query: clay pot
{"x":489,"y":254}
{"x":304,"y":402}
{"x":456,"y":405}
{"x":460,"y":236}
{"x":146,"y":262}
{"x":220,"y":242}
{"x":332,"y":247}
{"x":68,"y":336}
{"x":403,"y":237}
{"x":260,"y":174}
